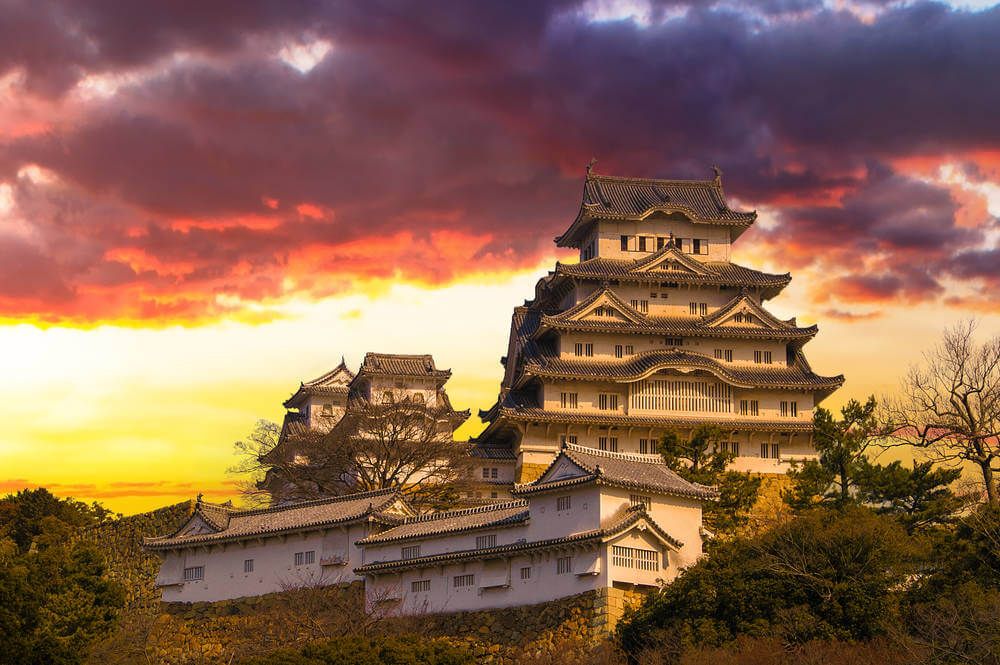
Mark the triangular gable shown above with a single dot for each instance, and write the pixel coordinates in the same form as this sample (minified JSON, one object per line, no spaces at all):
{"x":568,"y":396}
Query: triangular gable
{"x":671,"y":260}
{"x":646,"y":527}
{"x":398,"y":508}
{"x":338,"y":376}
{"x":563,"y":468}
{"x":642,"y":533}
{"x":603,"y":306}
{"x":744,"y":312}
{"x":195,"y":526}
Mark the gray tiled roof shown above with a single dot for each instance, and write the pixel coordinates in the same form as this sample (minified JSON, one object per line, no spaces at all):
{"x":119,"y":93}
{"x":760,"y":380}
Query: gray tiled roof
{"x":613,"y":197}
{"x":628,"y":470}
{"x":396,"y":364}
{"x":239,"y":524}
{"x":644,"y":364}
{"x":334,"y":382}
{"x":626,"y":521}
{"x":503,"y":453}
{"x":718,"y":273}
{"x":674,"y":325}
{"x":494,"y":515}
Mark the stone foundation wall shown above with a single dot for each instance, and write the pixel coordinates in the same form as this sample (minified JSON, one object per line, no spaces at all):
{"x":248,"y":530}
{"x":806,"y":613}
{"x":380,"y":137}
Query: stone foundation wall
{"x":227,"y":631}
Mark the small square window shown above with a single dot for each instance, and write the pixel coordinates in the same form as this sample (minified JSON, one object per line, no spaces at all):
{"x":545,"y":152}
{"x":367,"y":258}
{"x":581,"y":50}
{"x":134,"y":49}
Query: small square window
{"x":526,"y":573}
{"x":248,"y":565}
{"x":419,"y":586}
{"x":564,"y":564}
{"x":563,"y":503}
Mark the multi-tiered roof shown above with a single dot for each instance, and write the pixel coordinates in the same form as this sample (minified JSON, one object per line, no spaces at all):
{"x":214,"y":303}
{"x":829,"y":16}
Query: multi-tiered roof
{"x":533,"y":354}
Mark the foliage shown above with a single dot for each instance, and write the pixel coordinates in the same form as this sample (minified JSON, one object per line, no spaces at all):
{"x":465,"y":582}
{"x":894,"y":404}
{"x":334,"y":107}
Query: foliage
{"x":55,"y":599}
{"x":919,"y":496}
{"x":380,"y":650}
{"x":823,"y":575}
{"x":957,"y":626}
{"x":700,"y":459}
{"x":841,"y":445}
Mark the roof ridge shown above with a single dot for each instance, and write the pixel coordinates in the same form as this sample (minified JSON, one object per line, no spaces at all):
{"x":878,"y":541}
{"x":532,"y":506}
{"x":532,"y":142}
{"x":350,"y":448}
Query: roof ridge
{"x":430,"y":517}
{"x":652,"y":181}
{"x":316,"y":502}
{"x":631,"y":457}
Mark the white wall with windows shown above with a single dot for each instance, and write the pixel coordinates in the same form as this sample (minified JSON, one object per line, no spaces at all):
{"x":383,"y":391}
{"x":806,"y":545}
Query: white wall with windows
{"x":257,"y":566}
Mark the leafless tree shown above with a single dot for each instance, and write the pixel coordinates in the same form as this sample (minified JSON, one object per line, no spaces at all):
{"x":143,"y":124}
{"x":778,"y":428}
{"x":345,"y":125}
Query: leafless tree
{"x":950,"y":405}
{"x":399,"y":445}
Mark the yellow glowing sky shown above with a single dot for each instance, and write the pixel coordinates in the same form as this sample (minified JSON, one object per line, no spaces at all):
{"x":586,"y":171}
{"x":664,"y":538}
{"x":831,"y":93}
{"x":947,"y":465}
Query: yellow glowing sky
{"x":138,"y":418}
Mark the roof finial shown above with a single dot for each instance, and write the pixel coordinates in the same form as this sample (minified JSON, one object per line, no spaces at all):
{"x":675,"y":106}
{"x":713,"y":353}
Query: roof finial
{"x":673,"y":240}
{"x":199,"y":497}
{"x":590,"y":164}
{"x":343,"y":361}
{"x":718,"y":174}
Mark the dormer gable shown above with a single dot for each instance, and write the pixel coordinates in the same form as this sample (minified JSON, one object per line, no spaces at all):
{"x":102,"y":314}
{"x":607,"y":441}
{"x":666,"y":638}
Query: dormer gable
{"x":670,"y":260}
{"x":744,"y":312}
{"x":603,"y":306}
{"x":563,"y":469}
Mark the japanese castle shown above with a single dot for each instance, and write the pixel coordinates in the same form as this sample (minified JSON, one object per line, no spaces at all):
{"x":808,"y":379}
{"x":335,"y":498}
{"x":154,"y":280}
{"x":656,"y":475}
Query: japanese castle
{"x":653,"y":329}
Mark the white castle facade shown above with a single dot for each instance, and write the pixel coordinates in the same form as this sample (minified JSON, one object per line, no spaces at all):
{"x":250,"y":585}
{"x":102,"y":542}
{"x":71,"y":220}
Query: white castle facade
{"x":653,"y":329}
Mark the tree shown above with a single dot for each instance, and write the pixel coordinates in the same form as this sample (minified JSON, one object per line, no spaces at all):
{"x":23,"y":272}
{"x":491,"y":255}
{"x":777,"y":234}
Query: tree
{"x":950,"y":405}
{"x":700,"y":459}
{"x":842,"y":446}
{"x":376,"y":445}
{"x":919,"y":496}
{"x":827,"y":574}
{"x":55,"y":598}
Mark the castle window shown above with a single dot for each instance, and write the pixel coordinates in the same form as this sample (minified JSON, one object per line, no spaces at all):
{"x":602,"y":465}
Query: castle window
{"x":578,"y":349}
{"x":564,"y":502}
{"x":194,"y":574}
{"x":526,"y":573}
{"x":756,"y":356}
{"x":698,"y":308}
{"x":463,"y":580}
{"x":640,"y":305}
{"x":567,"y":438}
{"x":607,"y":402}
{"x":642,"y":243}
{"x":619,"y":351}
{"x":564,"y":564}
{"x":674,"y":341}
{"x":724,"y":354}
{"x":772,"y":451}
{"x":248,"y":565}
{"x":608,"y":443}
{"x":624,"y":240}
{"x":699,"y":246}
{"x":653,"y":295}
{"x":783,"y":409}
{"x":749,"y":407}
{"x":631,"y":557}
{"x":660,"y":242}
{"x":679,"y":244}
{"x":682,"y":395}
{"x":568,"y":400}
{"x":418,"y":586}
{"x":644,"y":446}
{"x":493,"y":473}
{"x":588,"y":350}
{"x":629,"y":349}
{"x":327,"y":409}
{"x":305,"y":558}
{"x":640,"y":500}
{"x":482,"y":542}
{"x":795,"y":409}
{"x":730,"y":447}
{"x":409,"y":552}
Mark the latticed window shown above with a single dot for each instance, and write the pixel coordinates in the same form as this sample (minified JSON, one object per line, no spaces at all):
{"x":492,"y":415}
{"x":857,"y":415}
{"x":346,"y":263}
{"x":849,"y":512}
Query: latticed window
{"x":608,"y":443}
{"x":588,"y":350}
{"x":770,"y":450}
{"x":795,"y":409}
{"x":783,"y":409}
{"x":418,"y":586}
{"x":564,"y":503}
{"x":640,"y":305}
{"x":647,"y":446}
{"x":674,"y":341}
{"x":194,"y":573}
{"x":578,"y":349}
{"x":619,"y":351}
{"x":629,"y":349}
{"x":633,"y":557}
{"x":526,"y":573}
{"x":248,"y":565}
{"x":568,"y":400}
{"x":564,"y":564}
{"x":483,"y":542}
{"x":607,"y":402}
{"x":464,"y":580}
{"x":410,"y":552}
{"x":683,"y":395}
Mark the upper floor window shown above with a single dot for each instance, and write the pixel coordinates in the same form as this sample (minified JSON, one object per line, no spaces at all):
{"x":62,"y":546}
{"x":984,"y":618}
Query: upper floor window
{"x":464,"y":580}
{"x":698,"y":308}
{"x":772,"y":451}
{"x":619,"y":351}
{"x":629,"y":349}
{"x":607,"y":402}
{"x":730,"y":447}
{"x":417,"y":586}
{"x":568,"y":400}
{"x":749,"y":407}
{"x":647,"y":446}
{"x":482,"y":542}
{"x":567,"y":438}
{"x":564,"y":502}
{"x":578,"y":349}
{"x":608,"y":443}
{"x":674,"y":341}
{"x":640,"y":305}
{"x":724,"y":354}
{"x":327,"y":410}
{"x":642,"y":243}
{"x":194,"y":573}
{"x":640,"y":500}
{"x":624,"y":240}
{"x":660,"y":242}
{"x":526,"y":573}
{"x":409,"y":552}
{"x":305,"y":558}
{"x":699,"y":246}
{"x":762,"y":357}
{"x":564,"y":564}
{"x":248,"y":565}
{"x":588,"y":350}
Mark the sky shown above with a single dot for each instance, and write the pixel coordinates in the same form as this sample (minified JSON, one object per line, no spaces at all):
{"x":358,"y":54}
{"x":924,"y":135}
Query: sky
{"x":202,"y":204}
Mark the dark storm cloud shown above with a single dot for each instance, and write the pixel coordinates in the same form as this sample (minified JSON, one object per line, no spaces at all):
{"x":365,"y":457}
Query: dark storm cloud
{"x":476,"y":119}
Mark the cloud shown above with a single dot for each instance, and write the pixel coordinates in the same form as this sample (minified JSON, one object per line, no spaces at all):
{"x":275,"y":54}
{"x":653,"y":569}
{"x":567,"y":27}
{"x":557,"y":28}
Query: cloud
{"x":119,"y":490}
{"x":427,"y":141}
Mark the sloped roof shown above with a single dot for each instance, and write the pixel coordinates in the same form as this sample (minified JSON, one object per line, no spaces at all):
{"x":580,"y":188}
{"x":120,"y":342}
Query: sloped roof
{"x":507,"y":513}
{"x":615,"y":197}
{"x":647,"y":363}
{"x":627,"y":470}
{"x":610,"y":531}
{"x":238,"y":524}
{"x":335,"y":382}
{"x":721,"y":273}
{"x":673,"y":325}
{"x":397,"y":364}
